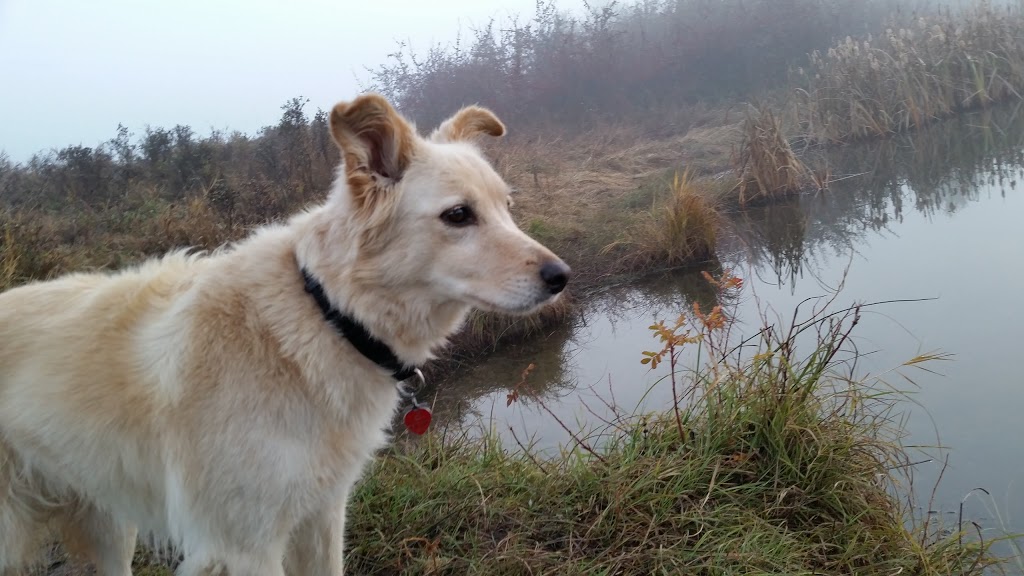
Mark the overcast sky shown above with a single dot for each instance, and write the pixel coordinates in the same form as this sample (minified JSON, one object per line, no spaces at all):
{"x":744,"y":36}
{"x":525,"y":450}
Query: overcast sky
{"x":71,"y":70}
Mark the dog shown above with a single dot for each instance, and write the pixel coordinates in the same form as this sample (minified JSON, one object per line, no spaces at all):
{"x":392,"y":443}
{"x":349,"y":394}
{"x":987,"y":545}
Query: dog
{"x":227,"y":402}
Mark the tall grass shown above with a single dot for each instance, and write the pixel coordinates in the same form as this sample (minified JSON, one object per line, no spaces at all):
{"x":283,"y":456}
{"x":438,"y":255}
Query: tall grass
{"x":945,"y":62}
{"x":764,"y":162}
{"x":9,"y":257}
{"x":681,"y":229}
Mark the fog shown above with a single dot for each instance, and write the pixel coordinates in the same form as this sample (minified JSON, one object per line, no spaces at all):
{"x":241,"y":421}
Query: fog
{"x":73,"y":70}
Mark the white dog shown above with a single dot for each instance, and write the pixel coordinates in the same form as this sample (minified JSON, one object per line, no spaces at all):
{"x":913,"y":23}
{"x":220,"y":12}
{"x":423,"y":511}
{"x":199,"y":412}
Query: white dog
{"x":227,"y":403}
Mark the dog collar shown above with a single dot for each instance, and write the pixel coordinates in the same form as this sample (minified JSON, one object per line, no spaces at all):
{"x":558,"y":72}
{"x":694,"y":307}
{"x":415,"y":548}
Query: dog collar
{"x":350,"y":329}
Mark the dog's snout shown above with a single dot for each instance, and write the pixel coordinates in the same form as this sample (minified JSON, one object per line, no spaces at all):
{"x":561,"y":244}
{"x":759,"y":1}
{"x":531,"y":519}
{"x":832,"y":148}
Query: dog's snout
{"x":555,"y":275}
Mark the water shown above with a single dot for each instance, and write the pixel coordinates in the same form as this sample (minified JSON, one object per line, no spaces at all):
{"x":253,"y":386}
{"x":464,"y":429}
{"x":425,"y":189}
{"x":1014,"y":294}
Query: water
{"x":939,"y":216}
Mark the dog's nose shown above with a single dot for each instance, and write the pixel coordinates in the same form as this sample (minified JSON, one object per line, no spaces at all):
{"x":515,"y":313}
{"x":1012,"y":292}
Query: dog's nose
{"x":556,"y":275}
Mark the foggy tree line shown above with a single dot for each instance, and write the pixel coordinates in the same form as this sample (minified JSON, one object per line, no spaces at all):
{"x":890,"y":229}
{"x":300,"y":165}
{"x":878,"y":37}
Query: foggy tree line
{"x":619,"y":59}
{"x":286,"y":162}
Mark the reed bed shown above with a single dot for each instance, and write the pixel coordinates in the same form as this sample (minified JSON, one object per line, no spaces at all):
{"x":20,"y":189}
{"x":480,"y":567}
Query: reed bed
{"x":944,"y":63}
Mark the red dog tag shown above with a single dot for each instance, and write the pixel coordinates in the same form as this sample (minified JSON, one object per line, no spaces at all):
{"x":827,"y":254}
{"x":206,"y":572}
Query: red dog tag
{"x":417,"y":420}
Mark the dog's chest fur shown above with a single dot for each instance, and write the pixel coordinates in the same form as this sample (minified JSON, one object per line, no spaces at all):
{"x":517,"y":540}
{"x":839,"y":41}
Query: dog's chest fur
{"x":296,"y":414}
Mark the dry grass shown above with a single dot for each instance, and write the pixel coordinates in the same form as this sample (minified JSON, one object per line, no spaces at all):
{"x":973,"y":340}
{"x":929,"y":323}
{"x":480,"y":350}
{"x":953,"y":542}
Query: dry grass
{"x":945,"y":63}
{"x":764,"y":162}
{"x":9,"y":257}
{"x":679,"y":230}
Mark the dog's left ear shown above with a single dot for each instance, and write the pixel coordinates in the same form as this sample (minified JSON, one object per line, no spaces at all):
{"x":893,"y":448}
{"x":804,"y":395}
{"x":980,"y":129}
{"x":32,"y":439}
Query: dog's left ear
{"x":467,"y":124}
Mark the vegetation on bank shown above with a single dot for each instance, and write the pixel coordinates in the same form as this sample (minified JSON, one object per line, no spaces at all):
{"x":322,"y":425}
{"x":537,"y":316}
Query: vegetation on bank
{"x":646,"y":60}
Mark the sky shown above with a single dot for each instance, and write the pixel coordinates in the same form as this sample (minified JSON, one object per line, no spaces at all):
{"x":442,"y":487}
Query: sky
{"x":71,"y":70}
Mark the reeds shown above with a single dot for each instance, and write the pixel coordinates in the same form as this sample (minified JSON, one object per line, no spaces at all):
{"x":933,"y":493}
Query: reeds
{"x":943,"y":63}
{"x":618,"y":59}
{"x":10,"y":255}
{"x":764,"y":162}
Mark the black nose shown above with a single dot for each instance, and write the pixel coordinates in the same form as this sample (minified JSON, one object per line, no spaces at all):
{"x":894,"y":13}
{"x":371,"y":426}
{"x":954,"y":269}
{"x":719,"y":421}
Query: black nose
{"x":556,"y":275}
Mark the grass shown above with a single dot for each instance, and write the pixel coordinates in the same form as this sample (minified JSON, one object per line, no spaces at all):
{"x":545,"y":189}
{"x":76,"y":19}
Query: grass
{"x":679,"y":230}
{"x":774,"y":461}
{"x":942,"y":64}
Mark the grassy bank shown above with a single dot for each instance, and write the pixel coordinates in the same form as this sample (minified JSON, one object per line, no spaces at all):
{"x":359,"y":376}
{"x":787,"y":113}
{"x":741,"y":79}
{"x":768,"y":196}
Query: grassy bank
{"x":776,"y":460}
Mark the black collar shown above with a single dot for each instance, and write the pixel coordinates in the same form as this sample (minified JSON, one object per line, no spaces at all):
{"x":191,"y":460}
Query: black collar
{"x":350,"y":329}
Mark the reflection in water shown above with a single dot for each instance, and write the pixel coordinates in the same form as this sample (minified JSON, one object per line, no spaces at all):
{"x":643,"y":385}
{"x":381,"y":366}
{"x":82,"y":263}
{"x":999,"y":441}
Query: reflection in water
{"x":931,"y":215}
{"x":564,"y":368}
{"x":937,"y":171}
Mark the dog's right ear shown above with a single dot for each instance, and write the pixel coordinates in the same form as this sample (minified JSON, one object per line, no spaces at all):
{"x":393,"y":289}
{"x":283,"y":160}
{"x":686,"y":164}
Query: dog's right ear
{"x":375,"y":141}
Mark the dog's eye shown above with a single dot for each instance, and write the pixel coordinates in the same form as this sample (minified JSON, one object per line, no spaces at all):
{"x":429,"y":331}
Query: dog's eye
{"x":459,"y":216}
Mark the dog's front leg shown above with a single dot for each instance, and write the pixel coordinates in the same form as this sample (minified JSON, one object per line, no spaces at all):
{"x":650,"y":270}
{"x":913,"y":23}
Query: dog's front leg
{"x":316,"y":544}
{"x":97,"y":535}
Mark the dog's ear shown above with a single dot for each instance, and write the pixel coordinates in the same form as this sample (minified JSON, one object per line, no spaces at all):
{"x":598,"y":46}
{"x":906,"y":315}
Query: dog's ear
{"x":375,"y":140}
{"x":467,"y":124}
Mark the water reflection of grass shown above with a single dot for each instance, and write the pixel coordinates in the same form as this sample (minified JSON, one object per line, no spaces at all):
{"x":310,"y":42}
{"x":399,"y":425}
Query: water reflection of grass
{"x":455,"y":396}
{"x":934,"y":170}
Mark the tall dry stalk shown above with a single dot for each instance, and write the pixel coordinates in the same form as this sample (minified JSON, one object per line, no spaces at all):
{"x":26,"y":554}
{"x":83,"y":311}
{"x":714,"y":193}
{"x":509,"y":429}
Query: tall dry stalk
{"x":765,"y":163}
{"x":9,"y":256}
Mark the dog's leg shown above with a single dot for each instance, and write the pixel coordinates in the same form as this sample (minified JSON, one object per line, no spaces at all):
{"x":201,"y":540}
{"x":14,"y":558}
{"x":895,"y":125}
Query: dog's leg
{"x":265,"y":561}
{"x":21,"y":538}
{"x":24,"y":514}
{"x":110,"y":544}
{"x":316,"y":544}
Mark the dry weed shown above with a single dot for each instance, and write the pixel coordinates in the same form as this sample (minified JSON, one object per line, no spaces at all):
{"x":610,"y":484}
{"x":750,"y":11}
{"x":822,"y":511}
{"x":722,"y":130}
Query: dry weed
{"x":679,"y":230}
{"x":765,"y":164}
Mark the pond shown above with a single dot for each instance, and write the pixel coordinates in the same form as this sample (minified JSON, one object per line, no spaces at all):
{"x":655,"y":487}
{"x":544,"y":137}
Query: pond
{"x":935,"y":220}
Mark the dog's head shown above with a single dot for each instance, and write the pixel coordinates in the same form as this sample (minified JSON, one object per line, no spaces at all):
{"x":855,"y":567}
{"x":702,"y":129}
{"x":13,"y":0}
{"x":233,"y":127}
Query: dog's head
{"x":433,"y":215}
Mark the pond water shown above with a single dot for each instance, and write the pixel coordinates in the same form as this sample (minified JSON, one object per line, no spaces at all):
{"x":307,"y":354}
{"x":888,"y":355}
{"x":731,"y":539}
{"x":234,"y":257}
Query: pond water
{"x":936,"y":216}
